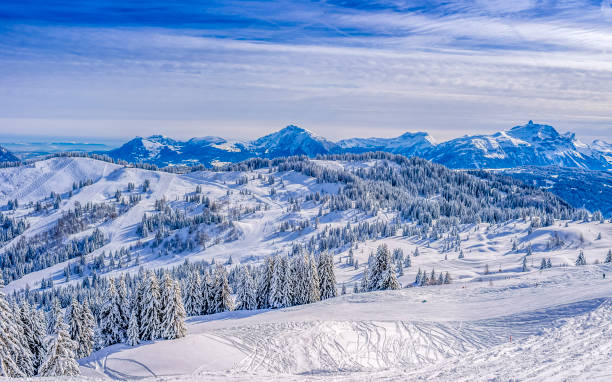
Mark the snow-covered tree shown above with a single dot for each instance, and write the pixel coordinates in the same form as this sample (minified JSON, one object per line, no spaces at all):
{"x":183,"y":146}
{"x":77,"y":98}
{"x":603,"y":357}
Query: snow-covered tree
{"x":133,"y":333}
{"x":34,"y":330}
{"x":111,"y":321}
{"x":173,"y":311}
{"x":524,"y":267}
{"x":327,"y":278}
{"x":314,"y":289}
{"x":150,"y":310}
{"x":221,"y":291}
{"x":608,"y":257}
{"x":581,"y":260}
{"x":279,"y":290}
{"x":245,"y":293}
{"x":85,"y":343}
{"x":59,"y":359}
{"x":264,"y":280}
{"x":193,"y":294}
{"x":10,"y":347}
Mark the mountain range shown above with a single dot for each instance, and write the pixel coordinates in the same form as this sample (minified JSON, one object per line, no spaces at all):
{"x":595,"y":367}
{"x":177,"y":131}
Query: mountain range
{"x":531,"y":144}
{"x":7,"y":156}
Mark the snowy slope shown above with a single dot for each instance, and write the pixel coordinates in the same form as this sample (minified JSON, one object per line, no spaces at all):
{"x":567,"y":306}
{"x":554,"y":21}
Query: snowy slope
{"x":459,"y":331}
{"x":559,"y":321}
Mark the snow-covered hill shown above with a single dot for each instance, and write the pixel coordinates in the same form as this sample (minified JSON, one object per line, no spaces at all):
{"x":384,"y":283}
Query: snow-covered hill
{"x":489,"y":233}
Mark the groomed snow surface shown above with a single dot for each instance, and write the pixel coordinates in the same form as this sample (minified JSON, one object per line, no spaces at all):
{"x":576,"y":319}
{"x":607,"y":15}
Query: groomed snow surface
{"x":554,"y":324}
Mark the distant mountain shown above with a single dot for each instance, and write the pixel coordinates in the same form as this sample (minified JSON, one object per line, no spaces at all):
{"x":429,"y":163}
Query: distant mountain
{"x":291,"y":140}
{"x":7,"y":156}
{"x":163,"y":151}
{"x":408,"y":144}
{"x":525,"y":145}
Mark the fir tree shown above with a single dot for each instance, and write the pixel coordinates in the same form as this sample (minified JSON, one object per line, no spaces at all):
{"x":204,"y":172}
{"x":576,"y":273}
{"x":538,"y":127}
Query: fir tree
{"x":245,"y":294}
{"x":133,"y":333}
{"x":173,"y":312}
{"x":59,"y":357}
{"x":193,"y":294}
{"x":222,"y":292}
{"x":581,"y":260}
{"x":85,"y":343}
{"x":608,"y":257}
{"x":150,"y":310}
{"x":10,"y":347}
{"x":111,"y":322}
{"x":327,"y":278}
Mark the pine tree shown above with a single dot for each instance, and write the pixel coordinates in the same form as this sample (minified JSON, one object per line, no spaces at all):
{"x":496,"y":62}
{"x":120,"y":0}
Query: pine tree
{"x":10,"y":347}
{"x":279,"y":290}
{"x":124,"y":305}
{"x":222,"y":292}
{"x":75,"y":322}
{"x":314,"y":290}
{"x":263,"y":284}
{"x":327,"y":278}
{"x":581,"y":260}
{"x":173,"y":312}
{"x":543,"y":264}
{"x":111,"y":322}
{"x":34,"y":331}
{"x":447,"y":278}
{"x":207,"y":297}
{"x":150,"y":311}
{"x":193,"y":294}
{"x":417,"y":280}
{"x":245,"y":294}
{"x":59,"y":357}
{"x":24,"y":357}
{"x":389,"y":280}
{"x":133,"y":333}
{"x":86,"y":339}
{"x":608,"y":257}
{"x":56,"y":311}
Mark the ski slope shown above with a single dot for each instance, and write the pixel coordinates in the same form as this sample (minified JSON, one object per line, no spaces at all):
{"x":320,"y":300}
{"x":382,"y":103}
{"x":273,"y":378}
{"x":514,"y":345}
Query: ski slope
{"x":559,"y":321}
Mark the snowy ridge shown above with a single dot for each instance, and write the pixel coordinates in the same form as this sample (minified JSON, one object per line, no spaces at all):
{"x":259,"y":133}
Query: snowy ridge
{"x":531,"y":144}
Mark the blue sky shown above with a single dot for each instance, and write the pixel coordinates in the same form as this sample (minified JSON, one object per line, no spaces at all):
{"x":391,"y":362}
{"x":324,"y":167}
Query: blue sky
{"x":340,"y":68}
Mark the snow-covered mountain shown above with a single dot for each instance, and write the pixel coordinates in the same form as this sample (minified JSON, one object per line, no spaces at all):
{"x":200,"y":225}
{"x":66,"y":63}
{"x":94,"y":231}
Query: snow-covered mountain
{"x":163,"y":151}
{"x":408,"y":144}
{"x":525,"y":145}
{"x":292,"y":140}
{"x":531,"y":144}
{"x":7,"y":156}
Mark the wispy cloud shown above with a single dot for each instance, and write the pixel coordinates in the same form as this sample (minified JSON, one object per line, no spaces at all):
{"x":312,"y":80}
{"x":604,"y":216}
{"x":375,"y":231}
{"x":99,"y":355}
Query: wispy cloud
{"x":245,"y":68}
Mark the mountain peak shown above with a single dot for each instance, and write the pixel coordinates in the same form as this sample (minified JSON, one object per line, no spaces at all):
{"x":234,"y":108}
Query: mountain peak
{"x":534,"y":131}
